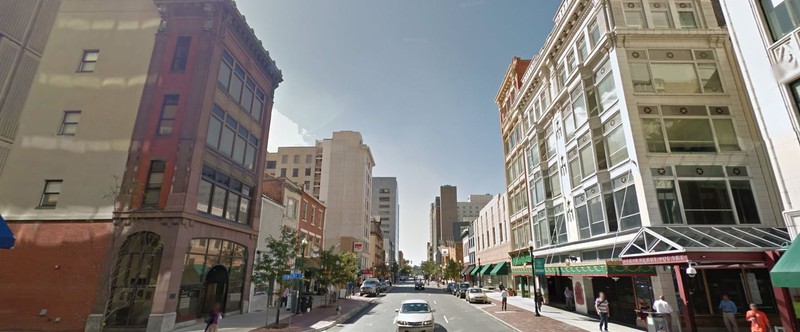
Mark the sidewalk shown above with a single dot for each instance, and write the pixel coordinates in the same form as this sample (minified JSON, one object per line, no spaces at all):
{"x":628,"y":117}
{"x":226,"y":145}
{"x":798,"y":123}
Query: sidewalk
{"x":318,"y":319}
{"x":520,"y":316}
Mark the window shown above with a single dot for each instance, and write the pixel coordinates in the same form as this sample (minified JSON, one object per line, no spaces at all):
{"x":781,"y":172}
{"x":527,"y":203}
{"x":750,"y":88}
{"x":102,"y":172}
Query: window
{"x":51,"y":193}
{"x":574,"y":169}
{"x":284,"y":159}
{"x":614,"y":138}
{"x":688,"y":129}
{"x":223,"y":196}
{"x":587,"y":159}
{"x":550,"y":143}
{"x":634,"y":16}
{"x":583,"y":51}
{"x":152,"y":190}
{"x":384,"y":190}
{"x":533,"y":156}
{"x":232,"y":139}
{"x":181,"y":56}
{"x":309,"y":159}
{"x":313,"y":214}
{"x":283,"y":172}
{"x":686,"y":16}
{"x":594,"y":33}
{"x":291,"y":208}
{"x":308,"y":172}
{"x":541,"y":233}
{"x":537,"y":189}
{"x":69,"y":124}
{"x":168,"y":110}
{"x":271,"y":164}
{"x":296,"y":159}
{"x":590,"y":214}
{"x":241,"y":86}
{"x":675,"y":71}
{"x":295,"y":172}
{"x":555,"y":185}
{"x":577,"y":115}
{"x":783,"y":16}
{"x":606,"y":89}
{"x":384,"y":199}
{"x":626,"y":203}
{"x":660,"y":14}
{"x":557,"y":224}
{"x":303,"y":210}
{"x":88,"y":61}
{"x":707,"y":195}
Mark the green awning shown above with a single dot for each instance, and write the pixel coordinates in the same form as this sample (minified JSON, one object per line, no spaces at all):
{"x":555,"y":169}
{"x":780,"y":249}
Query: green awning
{"x":475,"y":270}
{"x":485,"y":269}
{"x":499,"y":269}
{"x":466,"y":270}
{"x":786,"y":273}
{"x":521,"y":260}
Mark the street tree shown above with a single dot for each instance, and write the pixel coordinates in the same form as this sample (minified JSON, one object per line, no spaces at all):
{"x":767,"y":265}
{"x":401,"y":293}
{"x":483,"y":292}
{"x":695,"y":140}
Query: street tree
{"x":452,"y":270}
{"x":430,"y":268}
{"x":275,"y":262}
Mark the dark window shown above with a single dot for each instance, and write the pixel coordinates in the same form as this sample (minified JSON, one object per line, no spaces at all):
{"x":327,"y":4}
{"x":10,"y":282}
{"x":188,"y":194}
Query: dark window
{"x":309,"y":159}
{"x":51,"y":193}
{"x":247,"y":95}
{"x":782,"y":16}
{"x":308,"y":171}
{"x":706,"y":202}
{"x":745,"y":202}
{"x":283,"y":172}
{"x":225,"y":70}
{"x":168,"y":110}
{"x":152,"y":191}
{"x":271,"y":164}
{"x":237,"y":83}
{"x":294,"y":172}
{"x":88,"y":61}
{"x":223,"y":196}
{"x":69,"y":124}
{"x":181,"y":55}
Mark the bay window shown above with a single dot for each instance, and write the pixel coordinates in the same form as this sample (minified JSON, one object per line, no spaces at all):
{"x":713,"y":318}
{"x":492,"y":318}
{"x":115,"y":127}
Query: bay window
{"x":606,"y":88}
{"x":626,"y":203}
{"x":231,"y":138}
{"x":688,"y":129}
{"x":614,"y":138}
{"x":674,"y":71}
{"x":557,"y":224}
{"x":783,"y":16}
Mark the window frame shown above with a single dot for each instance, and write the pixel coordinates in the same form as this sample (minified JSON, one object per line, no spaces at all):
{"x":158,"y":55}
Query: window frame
{"x":180,"y":57}
{"x":150,"y":188}
{"x":82,"y":65}
{"x":65,"y":123}
{"x":46,"y":194}
{"x":720,"y":113}
{"x":168,"y":100}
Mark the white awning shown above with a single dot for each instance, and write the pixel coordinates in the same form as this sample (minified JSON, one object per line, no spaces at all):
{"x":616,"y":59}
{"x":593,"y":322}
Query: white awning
{"x":662,"y":240}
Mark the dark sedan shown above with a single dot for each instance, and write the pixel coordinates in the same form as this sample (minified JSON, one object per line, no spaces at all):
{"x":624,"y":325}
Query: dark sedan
{"x":419,"y":285}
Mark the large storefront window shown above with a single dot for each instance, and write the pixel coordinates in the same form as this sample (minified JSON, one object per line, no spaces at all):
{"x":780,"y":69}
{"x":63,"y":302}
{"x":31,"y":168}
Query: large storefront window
{"x":134,"y":278}
{"x":213,"y":272}
{"x":743,"y":286}
{"x":783,"y":16}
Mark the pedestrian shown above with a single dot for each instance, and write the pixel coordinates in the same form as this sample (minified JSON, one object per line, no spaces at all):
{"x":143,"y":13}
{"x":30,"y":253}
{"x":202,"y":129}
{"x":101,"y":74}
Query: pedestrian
{"x":504,"y":303}
{"x":350,"y":288}
{"x":212,"y":321}
{"x":538,"y":298}
{"x":569,"y":298}
{"x":758,"y":319}
{"x":284,"y":297}
{"x":501,"y":287}
{"x":602,"y":308}
{"x":729,"y":311}
{"x":662,"y":307}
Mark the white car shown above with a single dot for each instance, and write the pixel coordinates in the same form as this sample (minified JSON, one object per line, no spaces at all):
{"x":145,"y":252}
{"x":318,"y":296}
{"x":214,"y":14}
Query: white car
{"x":414,"y":315}
{"x":476,"y":294}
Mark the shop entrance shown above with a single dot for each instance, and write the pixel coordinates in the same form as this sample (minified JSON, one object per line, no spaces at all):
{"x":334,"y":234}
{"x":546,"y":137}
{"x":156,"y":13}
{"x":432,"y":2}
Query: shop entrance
{"x":216,"y":289}
{"x":620,"y":294}
{"x":555,"y":290}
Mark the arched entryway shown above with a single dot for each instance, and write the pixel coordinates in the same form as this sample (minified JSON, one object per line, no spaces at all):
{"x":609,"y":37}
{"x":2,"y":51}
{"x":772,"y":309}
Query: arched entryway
{"x":133,"y":280}
{"x":216,"y":288}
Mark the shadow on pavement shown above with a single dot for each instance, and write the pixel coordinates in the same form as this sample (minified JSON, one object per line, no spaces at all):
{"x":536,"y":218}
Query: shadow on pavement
{"x":361,"y":313}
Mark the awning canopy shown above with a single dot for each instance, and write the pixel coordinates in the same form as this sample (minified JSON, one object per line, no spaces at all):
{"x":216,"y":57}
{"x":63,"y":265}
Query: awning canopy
{"x":499,"y":269}
{"x":7,"y":238}
{"x":521,"y":260}
{"x":676,"y":243}
{"x":475,"y":270}
{"x":467,"y":270}
{"x":601,"y":268}
{"x":786,"y":273}
{"x":485,"y":269}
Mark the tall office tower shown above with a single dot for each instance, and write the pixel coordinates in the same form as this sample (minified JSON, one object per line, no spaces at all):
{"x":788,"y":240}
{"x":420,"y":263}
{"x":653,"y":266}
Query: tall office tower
{"x":385,"y":206}
{"x":296,"y":163}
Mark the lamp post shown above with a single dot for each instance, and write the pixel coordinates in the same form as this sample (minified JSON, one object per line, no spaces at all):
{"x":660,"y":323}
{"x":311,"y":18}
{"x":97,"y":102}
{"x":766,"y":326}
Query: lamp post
{"x":533,"y":280}
{"x":295,"y":305}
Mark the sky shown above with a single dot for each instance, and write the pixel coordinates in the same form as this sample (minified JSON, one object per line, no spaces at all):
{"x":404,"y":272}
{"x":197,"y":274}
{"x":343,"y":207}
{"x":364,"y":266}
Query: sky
{"x":417,"y":78}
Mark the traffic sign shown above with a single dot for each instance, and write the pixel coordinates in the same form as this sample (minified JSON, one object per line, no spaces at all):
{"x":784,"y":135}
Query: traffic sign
{"x":538,"y":266}
{"x":292,"y":276}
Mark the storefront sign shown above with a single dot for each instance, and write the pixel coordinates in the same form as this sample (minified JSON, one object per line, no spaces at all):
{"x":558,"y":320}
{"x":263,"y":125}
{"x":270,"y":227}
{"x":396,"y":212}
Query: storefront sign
{"x":358,"y":246}
{"x":538,"y":266}
{"x":656,"y":260}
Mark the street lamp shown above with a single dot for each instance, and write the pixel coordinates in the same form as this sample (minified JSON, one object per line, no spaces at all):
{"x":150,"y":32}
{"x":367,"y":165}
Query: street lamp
{"x":533,"y":280}
{"x":295,"y":305}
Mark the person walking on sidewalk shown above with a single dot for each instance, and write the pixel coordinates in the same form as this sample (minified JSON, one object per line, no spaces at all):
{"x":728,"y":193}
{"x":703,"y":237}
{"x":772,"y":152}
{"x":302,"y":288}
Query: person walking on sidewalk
{"x":538,"y":298}
{"x":504,"y":302}
{"x":569,"y":298}
{"x":212,"y":321}
{"x":758,"y":319}
{"x":284,"y":297}
{"x":662,"y":307}
{"x":601,"y":306}
{"x":729,"y":313}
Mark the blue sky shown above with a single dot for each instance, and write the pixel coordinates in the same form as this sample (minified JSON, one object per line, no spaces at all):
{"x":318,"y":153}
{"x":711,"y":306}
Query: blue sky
{"x":416,"y":77}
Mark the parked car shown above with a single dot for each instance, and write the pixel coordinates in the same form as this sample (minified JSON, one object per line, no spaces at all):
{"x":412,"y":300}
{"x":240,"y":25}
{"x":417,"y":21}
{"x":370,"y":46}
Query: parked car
{"x":414,"y":315}
{"x":419,"y":285}
{"x":462,"y":290}
{"x":475,"y":294}
{"x":384,"y":286}
{"x":370,"y":287}
{"x":451,"y":287}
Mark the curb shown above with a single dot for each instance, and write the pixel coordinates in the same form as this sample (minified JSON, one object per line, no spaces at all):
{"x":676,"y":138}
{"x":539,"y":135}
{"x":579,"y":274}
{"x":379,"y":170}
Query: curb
{"x":343,"y":317}
{"x":500,"y":320}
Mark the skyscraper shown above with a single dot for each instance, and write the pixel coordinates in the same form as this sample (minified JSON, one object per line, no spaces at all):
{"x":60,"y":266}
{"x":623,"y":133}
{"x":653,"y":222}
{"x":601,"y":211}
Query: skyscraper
{"x":385,"y":206}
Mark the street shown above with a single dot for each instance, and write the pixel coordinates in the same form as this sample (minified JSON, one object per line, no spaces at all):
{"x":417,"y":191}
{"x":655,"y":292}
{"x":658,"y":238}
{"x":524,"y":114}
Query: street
{"x":452,"y":314}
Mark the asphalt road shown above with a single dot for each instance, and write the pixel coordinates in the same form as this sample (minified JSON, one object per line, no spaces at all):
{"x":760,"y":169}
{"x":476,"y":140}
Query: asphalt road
{"x":452,"y":314}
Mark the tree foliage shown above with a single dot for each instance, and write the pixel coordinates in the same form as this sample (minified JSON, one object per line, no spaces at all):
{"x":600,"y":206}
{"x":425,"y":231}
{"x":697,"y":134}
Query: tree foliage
{"x":430,"y":268}
{"x":274,"y":263}
{"x":337,"y":268}
{"x":452,"y":269}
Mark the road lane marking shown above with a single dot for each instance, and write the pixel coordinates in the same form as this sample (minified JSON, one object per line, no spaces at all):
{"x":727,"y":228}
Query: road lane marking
{"x":434,"y":302}
{"x":445,"y":319}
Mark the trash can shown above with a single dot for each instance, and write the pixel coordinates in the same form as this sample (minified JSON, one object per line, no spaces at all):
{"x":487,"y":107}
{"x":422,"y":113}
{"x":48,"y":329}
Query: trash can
{"x":656,"y":322}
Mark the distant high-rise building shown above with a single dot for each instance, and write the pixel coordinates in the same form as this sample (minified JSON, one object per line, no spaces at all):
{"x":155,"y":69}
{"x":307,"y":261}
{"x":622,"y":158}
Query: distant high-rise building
{"x":338,"y":171}
{"x":385,"y":206}
{"x":450,"y":217}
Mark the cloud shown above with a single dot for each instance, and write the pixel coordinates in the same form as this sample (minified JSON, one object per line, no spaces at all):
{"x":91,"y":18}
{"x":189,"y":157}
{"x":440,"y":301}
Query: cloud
{"x":285,"y":132}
